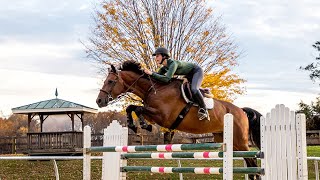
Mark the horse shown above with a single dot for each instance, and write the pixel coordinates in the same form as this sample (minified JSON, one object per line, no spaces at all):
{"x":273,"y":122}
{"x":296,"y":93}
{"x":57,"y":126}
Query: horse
{"x":162,"y":103}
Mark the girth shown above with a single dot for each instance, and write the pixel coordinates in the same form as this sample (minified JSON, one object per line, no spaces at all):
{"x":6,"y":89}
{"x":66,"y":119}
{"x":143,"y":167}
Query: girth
{"x":181,"y":116}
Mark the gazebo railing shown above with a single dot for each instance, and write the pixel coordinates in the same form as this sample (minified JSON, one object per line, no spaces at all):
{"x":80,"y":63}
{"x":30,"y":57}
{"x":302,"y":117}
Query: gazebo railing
{"x":54,"y":140}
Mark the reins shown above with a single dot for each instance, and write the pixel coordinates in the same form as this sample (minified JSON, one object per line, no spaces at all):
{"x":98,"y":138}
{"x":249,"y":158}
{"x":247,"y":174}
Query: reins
{"x":112,"y":100}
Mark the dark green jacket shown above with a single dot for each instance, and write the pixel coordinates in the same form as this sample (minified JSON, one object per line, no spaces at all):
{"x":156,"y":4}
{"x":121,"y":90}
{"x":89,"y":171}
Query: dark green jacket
{"x":173,"y":67}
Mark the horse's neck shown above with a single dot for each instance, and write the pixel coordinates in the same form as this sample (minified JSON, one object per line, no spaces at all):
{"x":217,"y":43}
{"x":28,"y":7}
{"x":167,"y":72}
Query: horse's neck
{"x":142,"y":86}
{"x":135,"y":83}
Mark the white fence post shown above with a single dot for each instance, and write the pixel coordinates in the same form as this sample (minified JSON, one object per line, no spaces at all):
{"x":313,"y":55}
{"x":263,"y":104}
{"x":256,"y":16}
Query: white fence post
{"x":114,"y":135}
{"x":228,"y":144}
{"x":264,"y":140}
{"x":292,"y":147}
{"x":86,"y":155}
{"x":302,"y":147}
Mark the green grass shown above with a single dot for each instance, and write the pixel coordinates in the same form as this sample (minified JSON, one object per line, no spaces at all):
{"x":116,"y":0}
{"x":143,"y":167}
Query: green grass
{"x":68,"y":170}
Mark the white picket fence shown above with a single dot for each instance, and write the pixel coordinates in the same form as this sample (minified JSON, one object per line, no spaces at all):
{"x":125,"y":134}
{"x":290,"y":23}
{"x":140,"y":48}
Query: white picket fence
{"x":283,"y":141}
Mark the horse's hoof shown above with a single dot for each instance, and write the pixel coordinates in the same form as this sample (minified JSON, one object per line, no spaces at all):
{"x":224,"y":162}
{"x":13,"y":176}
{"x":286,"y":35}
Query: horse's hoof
{"x":133,"y":128}
{"x":145,"y":126}
{"x":149,"y":128}
{"x":255,"y":177}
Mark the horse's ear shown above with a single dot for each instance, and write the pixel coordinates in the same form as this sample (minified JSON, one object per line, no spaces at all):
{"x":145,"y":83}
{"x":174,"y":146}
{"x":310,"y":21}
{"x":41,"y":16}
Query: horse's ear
{"x":113,"y":69}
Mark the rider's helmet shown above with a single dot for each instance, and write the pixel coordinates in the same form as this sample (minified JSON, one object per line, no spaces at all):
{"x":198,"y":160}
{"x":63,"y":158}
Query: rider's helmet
{"x":163,"y":51}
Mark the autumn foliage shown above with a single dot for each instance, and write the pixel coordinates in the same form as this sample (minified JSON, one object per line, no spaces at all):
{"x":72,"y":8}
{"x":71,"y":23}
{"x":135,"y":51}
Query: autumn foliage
{"x":223,"y":85}
{"x":15,"y":125}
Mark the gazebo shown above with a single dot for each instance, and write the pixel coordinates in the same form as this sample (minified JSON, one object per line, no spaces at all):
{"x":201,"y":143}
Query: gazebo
{"x":66,"y":142}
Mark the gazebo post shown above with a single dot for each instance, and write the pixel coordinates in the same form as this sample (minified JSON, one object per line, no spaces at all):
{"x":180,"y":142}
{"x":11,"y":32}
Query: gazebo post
{"x":81,"y":118}
{"x":29,"y":121}
{"x":72,"y":120}
{"x":41,"y":122}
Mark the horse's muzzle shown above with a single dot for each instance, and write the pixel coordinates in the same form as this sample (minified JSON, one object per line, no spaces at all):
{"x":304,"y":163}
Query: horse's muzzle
{"x":102,"y":102}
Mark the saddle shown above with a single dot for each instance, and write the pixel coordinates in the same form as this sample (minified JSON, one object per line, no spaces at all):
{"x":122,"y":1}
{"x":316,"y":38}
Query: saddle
{"x":187,"y":95}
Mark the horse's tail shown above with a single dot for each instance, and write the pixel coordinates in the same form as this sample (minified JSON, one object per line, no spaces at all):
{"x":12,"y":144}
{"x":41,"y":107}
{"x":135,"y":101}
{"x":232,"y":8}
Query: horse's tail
{"x":254,"y":125}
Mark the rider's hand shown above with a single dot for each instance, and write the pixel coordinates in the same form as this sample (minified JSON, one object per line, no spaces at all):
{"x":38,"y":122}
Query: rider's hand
{"x":147,"y":71}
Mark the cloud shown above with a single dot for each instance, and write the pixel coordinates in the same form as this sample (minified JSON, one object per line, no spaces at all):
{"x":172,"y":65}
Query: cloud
{"x":68,"y":58}
{"x":270,"y":19}
{"x":44,"y":20}
{"x":22,"y":87}
{"x":264,"y":100}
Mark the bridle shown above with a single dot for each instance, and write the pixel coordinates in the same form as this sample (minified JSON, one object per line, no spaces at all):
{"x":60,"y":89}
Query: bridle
{"x":108,"y":93}
{"x":109,"y":96}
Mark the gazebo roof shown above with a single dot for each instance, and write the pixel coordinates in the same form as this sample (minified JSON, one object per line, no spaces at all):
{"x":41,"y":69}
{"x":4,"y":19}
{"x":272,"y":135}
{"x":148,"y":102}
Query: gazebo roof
{"x":54,"y":106}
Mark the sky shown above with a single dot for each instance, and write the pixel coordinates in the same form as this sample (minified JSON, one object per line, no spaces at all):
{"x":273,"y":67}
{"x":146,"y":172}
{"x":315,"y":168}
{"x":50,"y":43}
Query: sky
{"x":41,"y":50}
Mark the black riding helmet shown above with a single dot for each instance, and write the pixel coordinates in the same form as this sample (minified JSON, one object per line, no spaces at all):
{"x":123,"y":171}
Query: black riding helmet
{"x":161,"y":50}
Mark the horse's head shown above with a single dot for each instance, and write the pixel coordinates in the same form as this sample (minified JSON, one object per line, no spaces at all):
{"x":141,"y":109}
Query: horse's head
{"x":112,"y":88}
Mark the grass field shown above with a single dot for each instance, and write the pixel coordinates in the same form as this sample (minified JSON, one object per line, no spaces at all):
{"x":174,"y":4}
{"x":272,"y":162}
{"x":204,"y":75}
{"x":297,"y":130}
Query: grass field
{"x":68,"y":170}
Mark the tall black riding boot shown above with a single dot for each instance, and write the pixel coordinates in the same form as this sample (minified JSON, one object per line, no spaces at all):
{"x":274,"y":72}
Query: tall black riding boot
{"x":202,"y":112}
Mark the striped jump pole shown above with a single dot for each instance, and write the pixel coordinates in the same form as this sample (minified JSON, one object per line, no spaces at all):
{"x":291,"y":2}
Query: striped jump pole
{"x":195,"y":155}
{"x":196,"y":170}
{"x":165,"y":148}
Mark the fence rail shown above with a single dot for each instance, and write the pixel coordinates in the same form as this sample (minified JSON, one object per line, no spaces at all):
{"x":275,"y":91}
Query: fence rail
{"x":19,"y":145}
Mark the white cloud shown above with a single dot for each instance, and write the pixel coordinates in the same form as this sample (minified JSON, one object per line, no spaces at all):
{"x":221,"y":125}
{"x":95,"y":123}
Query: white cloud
{"x":66,"y":58}
{"x":21,"y":87}
{"x":270,"y":18}
{"x":83,"y":7}
{"x":15,"y":49}
{"x":265,"y":100}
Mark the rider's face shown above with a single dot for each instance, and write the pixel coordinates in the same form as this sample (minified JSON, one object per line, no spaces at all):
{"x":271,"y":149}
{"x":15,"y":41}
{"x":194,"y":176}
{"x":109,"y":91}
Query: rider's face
{"x":158,"y":58}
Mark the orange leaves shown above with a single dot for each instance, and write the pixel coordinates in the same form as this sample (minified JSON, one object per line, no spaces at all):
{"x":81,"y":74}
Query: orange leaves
{"x":223,"y":85}
{"x":206,"y":33}
{"x":149,"y":20}
{"x":190,"y":49}
{"x":112,"y":11}
{"x":115,"y":30}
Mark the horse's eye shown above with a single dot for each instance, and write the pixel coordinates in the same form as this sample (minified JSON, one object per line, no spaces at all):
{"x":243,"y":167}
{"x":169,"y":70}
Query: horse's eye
{"x":110,"y":81}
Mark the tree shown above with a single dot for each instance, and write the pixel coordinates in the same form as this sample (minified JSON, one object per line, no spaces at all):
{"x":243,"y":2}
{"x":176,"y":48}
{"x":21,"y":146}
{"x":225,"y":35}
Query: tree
{"x":133,"y":29}
{"x":102,"y":120}
{"x":223,"y":86}
{"x":312,"y":113}
{"x":314,"y":68}
{"x":15,"y":125}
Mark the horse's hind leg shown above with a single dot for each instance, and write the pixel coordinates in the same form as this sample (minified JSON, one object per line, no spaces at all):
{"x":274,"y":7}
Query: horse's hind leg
{"x":251,"y":162}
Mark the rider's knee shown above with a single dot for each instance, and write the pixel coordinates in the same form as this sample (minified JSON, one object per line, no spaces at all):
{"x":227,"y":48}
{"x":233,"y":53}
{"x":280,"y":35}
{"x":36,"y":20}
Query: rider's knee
{"x":194,"y":90}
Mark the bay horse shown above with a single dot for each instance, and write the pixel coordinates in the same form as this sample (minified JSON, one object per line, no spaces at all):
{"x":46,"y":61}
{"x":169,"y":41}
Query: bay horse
{"x":162,"y":103}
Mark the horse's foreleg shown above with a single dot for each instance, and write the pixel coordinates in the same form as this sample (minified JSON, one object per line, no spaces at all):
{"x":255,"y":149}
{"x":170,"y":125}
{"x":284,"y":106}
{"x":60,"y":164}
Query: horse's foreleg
{"x":129,"y":111}
{"x":143,"y":124}
{"x":167,"y":137}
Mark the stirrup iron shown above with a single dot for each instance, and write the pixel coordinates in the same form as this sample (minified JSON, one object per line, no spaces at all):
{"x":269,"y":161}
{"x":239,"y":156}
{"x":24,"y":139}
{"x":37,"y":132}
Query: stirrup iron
{"x":203,"y":114}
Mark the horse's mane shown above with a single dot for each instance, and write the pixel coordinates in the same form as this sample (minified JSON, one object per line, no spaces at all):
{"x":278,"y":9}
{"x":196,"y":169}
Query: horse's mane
{"x":134,"y":66}
{"x":131,"y":66}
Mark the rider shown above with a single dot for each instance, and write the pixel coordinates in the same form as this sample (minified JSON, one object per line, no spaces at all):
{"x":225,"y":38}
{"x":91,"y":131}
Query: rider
{"x":193,"y":73}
